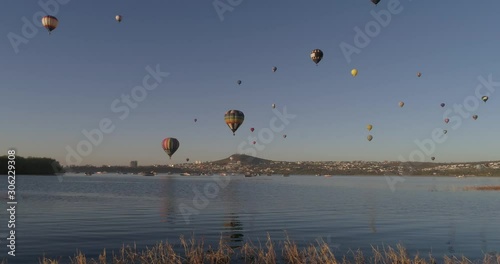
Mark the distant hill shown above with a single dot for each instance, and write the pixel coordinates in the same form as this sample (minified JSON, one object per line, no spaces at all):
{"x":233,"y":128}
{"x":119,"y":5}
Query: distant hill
{"x":243,"y":159}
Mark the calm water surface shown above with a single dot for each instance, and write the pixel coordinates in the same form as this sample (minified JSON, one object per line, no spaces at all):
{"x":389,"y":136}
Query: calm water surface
{"x":89,"y":213}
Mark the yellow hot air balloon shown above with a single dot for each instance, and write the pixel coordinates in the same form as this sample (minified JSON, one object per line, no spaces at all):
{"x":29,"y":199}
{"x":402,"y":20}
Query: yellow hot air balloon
{"x":369,"y":127}
{"x":354,"y":72}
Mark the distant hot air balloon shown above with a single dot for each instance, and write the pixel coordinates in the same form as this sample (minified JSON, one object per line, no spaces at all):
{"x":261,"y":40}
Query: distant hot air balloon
{"x":118,"y":18}
{"x":187,"y":159}
{"x":284,"y":136}
{"x":354,"y":72}
{"x":238,"y":82}
{"x":254,"y":142}
{"x":50,"y":23}
{"x":446,"y":120}
{"x":375,"y":1}
{"x":370,"y":137}
{"x":419,"y":74}
{"x":252,"y":129}
{"x":195,"y":120}
{"x":275,"y":69}
{"x":445,"y":131}
{"x":274,"y":106}
{"x":234,"y":119}
{"x":433,"y":158}
{"x":442,"y":104}
{"x":401,"y":104}
{"x":170,"y":146}
{"x":474,"y":117}
{"x":369,"y":127}
{"x":316,"y":55}
{"x":484,"y":98}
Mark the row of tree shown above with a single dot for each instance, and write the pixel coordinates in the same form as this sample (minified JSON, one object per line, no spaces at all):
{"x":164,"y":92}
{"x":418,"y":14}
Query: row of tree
{"x":30,"y":166}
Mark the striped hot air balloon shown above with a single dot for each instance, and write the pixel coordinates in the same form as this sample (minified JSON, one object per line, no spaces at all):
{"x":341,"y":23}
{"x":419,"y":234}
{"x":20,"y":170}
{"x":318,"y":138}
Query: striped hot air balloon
{"x":316,"y":55}
{"x":170,"y":146}
{"x":50,"y":22}
{"x":234,"y":119}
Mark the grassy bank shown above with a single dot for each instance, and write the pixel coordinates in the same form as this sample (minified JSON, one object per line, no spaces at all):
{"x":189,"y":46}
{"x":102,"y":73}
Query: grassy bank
{"x":196,"y":251}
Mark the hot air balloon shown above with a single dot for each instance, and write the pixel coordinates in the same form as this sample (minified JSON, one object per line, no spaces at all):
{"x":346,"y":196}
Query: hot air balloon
{"x":445,"y":131}
{"x":433,"y":158}
{"x":484,"y":98}
{"x":370,"y":137}
{"x":274,"y":106}
{"x":442,"y":104}
{"x":187,"y":159}
{"x":254,"y":142}
{"x":195,"y":120}
{"x":419,"y":74}
{"x":284,"y":136}
{"x":354,"y":72}
{"x":234,"y":119}
{"x":50,"y":23}
{"x":170,"y":146}
{"x":474,"y":117}
{"x":252,"y":129}
{"x":375,"y":1}
{"x":275,"y":69}
{"x":118,"y":18}
{"x":238,"y":82}
{"x":369,"y":127}
{"x":401,"y":104}
{"x":446,"y":120}
{"x":316,"y":55}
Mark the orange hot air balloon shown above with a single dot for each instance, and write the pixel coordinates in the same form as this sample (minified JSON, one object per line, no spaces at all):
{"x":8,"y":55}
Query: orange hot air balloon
{"x":50,"y":23}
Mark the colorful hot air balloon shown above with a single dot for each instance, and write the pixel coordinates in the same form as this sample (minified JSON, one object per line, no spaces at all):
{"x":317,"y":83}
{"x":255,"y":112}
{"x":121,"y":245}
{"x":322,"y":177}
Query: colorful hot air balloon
{"x":419,"y":74}
{"x":354,"y":72}
{"x":369,"y":127}
{"x":238,"y":82}
{"x":401,"y":104}
{"x":370,"y":137}
{"x":442,"y":104}
{"x":274,"y":106}
{"x":252,"y":129}
{"x":316,"y":55}
{"x":234,"y":119}
{"x":118,"y":18}
{"x":474,"y":117}
{"x":375,"y":1}
{"x":275,"y":69}
{"x":50,"y":23}
{"x":446,"y":120}
{"x":433,"y":158}
{"x":484,"y":98}
{"x":170,"y":146}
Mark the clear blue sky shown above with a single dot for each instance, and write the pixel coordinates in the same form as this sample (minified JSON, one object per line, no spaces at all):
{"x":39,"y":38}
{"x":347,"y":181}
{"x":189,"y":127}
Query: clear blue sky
{"x":56,"y":86}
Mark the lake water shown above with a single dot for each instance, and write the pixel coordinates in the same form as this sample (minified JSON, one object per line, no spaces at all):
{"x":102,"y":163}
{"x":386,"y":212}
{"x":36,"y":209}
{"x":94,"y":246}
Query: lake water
{"x":56,"y":216}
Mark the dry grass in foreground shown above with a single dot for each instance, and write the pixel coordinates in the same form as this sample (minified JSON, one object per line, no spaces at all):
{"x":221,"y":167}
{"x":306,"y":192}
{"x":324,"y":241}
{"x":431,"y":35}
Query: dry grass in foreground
{"x":482,"y":188}
{"x":199,"y":253}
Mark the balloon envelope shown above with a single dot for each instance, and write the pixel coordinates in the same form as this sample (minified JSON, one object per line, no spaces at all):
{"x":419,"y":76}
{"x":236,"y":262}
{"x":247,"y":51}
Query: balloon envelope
{"x":442,"y":104}
{"x":446,"y":120}
{"x":316,"y":55}
{"x":118,"y":18}
{"x":370,"y":137}
{"x":170,"y":146}
{"x":484,"y":98}
{"x":401,"y":104}
{"x":238,"y":82}
{"x":354,"y":72}
{"x":419,"y":74}
{"x":375,"y":1}
{"x":234,"y":119}
{"x":275,"y":69}
{"x":50,"y":22}
{"x":369,"y":127}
